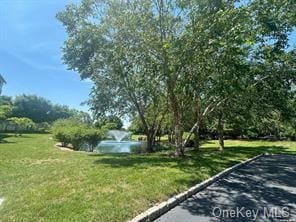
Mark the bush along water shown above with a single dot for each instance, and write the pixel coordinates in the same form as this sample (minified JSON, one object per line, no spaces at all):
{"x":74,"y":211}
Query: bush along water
{"x":75,"y":134}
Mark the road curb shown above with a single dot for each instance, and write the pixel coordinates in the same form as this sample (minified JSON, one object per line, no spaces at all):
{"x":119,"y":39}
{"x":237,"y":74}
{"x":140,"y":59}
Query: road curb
{"x":158,"y":210}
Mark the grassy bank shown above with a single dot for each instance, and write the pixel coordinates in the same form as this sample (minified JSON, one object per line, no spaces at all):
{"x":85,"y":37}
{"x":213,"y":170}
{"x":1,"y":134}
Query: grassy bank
{"x":42,"y":183}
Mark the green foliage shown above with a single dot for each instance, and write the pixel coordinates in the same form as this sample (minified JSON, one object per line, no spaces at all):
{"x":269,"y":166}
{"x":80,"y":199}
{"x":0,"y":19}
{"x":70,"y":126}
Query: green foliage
{"x":109,"y":122}
{"x":109,"y":126}
{"x":41,"y":110}
{"x":92,"y":137}
{"x":75,"y":132}
{"x":193,"y":59}
{"x":63,"y":130}
{"x":136,"y":126}
{"x":5,"y":111}
{"x":21,"y":121}
{"x":33,"y":107}
{"x":43,"y":127}
{"x":6,"y":100}
{"x":21,"y":124}
{"x":118,"y":54}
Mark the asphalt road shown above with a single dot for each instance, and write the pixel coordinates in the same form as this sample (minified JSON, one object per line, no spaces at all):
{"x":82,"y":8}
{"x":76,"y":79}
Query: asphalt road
{"x":263,"y":190}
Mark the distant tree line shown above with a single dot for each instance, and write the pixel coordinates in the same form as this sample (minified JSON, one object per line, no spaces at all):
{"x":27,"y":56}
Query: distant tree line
{"x":33,"y":113}
{"x":72,"y":128}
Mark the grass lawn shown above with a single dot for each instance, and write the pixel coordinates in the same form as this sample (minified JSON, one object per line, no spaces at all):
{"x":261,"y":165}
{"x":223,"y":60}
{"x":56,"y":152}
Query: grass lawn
{"x":42,"y":183}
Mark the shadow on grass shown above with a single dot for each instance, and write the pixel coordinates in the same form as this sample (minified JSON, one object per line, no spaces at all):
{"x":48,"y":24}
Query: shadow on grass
{"x":5,"y":136}
{"x":195,"y":167}
{"x":198,"y":163}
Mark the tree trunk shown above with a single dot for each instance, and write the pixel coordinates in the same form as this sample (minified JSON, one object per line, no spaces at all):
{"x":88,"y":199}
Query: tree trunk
{"x":221,"y":131}
{"x":169,"y":137}
{"x":196,"y":138}
{"x":193,"y":130}
{"x":150,"y":142}
{"x":171,"y":81}
{"x":178,"y":140}
{"x":172,"y":137}
{"x":177,"y":120}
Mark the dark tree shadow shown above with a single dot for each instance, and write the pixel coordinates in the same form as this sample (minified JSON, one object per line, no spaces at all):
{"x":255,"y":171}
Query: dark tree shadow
{"x":204,"y":157}
{"x":249,"y":187}
{"x":205,"y":160}
{"x":3,"y":138}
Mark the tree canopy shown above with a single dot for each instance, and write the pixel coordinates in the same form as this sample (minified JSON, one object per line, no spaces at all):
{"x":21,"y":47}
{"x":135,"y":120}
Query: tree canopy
{"x":181,"y":62}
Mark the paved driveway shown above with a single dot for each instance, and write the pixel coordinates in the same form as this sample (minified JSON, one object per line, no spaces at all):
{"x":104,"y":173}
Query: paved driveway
{"x":263,"y":190}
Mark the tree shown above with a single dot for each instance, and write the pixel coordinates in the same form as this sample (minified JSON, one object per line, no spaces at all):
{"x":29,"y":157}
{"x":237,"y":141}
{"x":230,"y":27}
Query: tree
{"x":41,"y":110}
{"x":33,"y":107}
{"x":6,"y":100}
{"x":246,"y":46}
{"x":5,"y":111}
{"x":110,"y":120}
{"x":21,"y":124}
{"x":81,"y":116}
{"x":114,"y":51}
{"x":60,"y":112}
{"x":216,"y":44}
{"x":188,"y":58}
{"x":136,"y":126}
{"x":6,"y":107}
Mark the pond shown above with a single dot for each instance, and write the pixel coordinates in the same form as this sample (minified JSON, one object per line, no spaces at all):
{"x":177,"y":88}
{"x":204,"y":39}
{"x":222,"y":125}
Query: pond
{"x":113,"y":146}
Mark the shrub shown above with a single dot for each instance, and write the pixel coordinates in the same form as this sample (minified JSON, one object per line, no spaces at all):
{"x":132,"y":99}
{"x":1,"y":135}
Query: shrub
{"x":92,"y":137}
{"x":65,"y":130}
{"x":75,"y":132}
{"x":76,"y":136}
{"x":62,"y":136}
{"x":43,"y":127}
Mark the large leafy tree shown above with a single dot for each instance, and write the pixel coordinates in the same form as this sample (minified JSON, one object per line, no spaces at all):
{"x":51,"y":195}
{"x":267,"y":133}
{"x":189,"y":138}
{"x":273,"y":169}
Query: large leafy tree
{"x":137,"y":53}
{"x":149,"y":57}
{"x":248,"y":49}
{"x":218,"y":35}
{"x":114,"y":43}
{"x":32,"y":107}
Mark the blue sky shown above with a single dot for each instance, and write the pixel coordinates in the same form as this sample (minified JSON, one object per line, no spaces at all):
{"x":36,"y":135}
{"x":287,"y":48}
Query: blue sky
{"x":30,"y":52}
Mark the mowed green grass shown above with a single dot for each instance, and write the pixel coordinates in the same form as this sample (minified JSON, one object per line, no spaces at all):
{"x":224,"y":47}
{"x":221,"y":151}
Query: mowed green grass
{"x":42,"y":183}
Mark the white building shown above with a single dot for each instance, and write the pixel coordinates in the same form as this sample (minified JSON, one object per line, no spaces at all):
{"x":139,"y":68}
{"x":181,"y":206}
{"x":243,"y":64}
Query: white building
{"x":2,"y":82}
